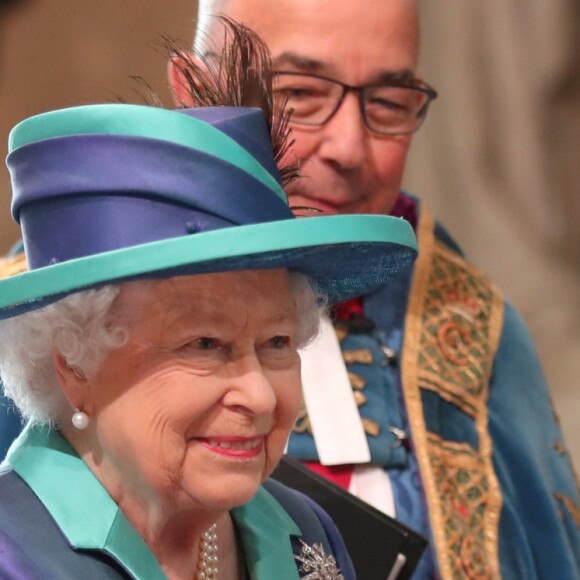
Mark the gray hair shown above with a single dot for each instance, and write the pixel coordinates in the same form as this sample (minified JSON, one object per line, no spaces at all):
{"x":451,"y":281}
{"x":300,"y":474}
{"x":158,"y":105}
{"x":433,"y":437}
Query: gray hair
{"x":83,"y":329}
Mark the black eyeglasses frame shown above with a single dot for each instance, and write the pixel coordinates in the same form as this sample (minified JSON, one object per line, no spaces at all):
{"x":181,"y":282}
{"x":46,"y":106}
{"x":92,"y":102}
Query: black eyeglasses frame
{"x":360,"y":91}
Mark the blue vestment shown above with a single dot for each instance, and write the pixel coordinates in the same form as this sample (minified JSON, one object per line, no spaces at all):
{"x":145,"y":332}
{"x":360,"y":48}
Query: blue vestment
{"x":442,"y":357}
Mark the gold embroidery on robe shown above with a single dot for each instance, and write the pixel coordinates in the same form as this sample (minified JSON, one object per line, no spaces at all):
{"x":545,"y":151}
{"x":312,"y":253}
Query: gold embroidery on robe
{"x":571,"y":506}
{"x":452,"y":332}
{"x":302,"y":423}
{"x":371,"y":427}
{"x":357,"y":382}
{"x":361,"y":356}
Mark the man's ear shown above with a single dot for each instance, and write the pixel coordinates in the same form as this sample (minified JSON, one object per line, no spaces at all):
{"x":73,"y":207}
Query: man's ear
{"x":179,"y":81}
{"x":72,"y":382}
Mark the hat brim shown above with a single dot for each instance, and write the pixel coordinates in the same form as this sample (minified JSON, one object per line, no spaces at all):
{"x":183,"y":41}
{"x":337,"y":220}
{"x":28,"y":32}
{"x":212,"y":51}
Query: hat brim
{"x":345,"y":256}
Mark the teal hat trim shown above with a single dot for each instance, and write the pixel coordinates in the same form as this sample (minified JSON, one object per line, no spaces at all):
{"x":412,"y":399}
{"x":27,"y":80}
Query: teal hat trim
{"x":204,"y":253}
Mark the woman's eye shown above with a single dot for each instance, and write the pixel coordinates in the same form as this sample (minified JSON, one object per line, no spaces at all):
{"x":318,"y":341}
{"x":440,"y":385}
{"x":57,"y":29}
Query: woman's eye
{"x":278,"y":352}
{"x":279,"y":342}
{"x":206,"y":343}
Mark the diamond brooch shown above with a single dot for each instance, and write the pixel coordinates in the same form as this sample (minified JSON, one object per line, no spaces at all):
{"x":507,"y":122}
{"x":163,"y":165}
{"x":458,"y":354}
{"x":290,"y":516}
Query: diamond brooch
{"x":316,"y":565}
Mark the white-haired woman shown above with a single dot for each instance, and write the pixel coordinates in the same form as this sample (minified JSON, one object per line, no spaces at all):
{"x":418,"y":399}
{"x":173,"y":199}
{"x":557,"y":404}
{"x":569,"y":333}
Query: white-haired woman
{"x":152,"y":346}
{"x":188,"y":388}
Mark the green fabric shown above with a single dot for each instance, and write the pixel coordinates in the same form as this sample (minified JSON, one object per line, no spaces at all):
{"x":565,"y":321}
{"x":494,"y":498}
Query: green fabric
{"x":90,"y":519}
{"x":77,"y":501}
{"x":262,"y":523}
{"x":141,"y":121}
{"x":257,"y":239}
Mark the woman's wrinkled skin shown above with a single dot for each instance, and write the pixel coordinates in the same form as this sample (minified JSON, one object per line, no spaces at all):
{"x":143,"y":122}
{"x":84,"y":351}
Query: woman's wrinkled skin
{"x":193,"y":412}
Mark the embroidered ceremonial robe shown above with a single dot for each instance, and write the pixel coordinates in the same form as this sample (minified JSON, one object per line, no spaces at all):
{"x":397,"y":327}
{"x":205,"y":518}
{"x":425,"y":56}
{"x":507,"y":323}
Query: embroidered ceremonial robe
{"x":482,"y":471}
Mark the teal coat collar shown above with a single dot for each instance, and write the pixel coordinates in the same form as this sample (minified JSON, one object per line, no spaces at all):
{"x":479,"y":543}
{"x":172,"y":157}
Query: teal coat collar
{"x":90,"y":519}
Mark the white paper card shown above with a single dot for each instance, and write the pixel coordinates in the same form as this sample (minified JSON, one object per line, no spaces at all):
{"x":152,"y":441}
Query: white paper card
{"x":334,"y":417}
{"x":372,"y":484}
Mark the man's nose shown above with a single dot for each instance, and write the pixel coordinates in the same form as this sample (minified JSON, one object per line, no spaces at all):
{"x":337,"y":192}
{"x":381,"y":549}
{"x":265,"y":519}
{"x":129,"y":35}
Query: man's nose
{"x":345,"y":136}
{"x":249,"y":391}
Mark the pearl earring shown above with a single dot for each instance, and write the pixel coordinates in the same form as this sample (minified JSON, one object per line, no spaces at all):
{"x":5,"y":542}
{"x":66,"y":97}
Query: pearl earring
{"x":80,"y":420}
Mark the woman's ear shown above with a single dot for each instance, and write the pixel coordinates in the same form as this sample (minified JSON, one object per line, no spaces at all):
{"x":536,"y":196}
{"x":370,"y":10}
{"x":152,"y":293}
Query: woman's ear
{"x":179,"y":81}
{"x":72,"y":381}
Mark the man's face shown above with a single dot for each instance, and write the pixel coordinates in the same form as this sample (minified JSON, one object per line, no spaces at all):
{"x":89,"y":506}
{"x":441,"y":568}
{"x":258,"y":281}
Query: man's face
{"x":345,"y":168}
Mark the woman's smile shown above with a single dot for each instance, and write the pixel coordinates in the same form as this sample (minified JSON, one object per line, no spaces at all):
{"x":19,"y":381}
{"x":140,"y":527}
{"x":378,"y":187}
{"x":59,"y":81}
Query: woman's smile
{"x":242,"y":447}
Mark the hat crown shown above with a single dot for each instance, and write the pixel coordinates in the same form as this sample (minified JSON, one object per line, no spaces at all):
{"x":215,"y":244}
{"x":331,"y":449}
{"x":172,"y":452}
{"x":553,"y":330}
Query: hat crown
{"x":122,"y":175}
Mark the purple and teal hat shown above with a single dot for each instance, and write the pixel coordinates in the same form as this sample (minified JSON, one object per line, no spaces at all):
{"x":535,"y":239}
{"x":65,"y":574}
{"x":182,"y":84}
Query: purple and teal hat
{"x":113,"y":193}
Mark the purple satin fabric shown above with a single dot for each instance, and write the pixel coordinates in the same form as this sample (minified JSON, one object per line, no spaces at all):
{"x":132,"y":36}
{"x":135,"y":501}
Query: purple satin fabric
{"x":245,"y":126}
{"x":148,"y":190}
{"x":15,"y":563}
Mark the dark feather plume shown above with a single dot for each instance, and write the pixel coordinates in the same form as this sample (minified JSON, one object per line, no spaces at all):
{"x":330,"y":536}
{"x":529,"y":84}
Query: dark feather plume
{"x":237,"y":72}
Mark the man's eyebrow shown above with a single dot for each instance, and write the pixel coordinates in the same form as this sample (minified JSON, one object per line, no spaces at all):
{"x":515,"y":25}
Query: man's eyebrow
{"x":309,"y":65}
{"x":403,"y":77}
{"x":299,"y":62}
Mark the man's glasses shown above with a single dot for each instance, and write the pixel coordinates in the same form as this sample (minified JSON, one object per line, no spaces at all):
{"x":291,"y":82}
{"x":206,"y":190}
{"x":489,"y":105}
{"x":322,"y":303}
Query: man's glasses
{"x":387,"y":109}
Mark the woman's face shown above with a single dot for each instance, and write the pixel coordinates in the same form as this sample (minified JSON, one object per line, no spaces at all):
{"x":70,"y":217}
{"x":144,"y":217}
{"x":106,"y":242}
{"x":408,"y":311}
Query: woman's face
{"x":196,"y":408}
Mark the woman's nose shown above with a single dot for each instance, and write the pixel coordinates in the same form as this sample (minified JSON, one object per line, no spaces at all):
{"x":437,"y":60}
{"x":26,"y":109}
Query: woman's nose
{"x":250,"y":392}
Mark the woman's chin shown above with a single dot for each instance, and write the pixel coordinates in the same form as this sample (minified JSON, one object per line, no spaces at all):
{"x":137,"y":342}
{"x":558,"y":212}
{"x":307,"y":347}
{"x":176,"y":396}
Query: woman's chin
{"x":226,"y":492}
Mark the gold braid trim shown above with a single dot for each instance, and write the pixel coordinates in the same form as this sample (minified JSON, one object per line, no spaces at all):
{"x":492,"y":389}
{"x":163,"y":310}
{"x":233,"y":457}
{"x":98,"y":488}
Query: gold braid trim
{"x":452,"y":331}
{"x":12,"y":266}
{"x":572,"y":508}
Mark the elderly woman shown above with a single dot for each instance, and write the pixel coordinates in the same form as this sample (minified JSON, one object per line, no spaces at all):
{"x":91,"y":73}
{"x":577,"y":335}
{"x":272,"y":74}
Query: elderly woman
{"x":152,"y":346}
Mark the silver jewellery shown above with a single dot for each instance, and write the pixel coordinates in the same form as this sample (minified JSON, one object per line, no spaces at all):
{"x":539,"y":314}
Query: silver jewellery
{"x":401,"y":437}
{"x":80,"y":420}
{"x":316,"y":565}
{"x":207,"y":564}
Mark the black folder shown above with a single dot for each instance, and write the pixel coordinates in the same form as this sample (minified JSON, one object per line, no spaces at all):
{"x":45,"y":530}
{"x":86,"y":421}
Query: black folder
{"x":381,"y":548}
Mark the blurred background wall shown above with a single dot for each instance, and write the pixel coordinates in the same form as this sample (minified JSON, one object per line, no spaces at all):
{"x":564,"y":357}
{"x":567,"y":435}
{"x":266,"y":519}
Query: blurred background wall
{"x":498,"y":159}
{"x":58,"y":53}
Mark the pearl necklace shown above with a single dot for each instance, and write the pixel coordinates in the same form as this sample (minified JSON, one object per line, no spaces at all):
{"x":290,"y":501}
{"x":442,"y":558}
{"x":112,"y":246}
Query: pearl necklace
{"x":207,"y":565}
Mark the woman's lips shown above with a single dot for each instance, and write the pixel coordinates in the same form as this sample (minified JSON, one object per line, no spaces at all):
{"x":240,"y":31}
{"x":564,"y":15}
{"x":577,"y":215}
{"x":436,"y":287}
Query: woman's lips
{"x":235,"y":446}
